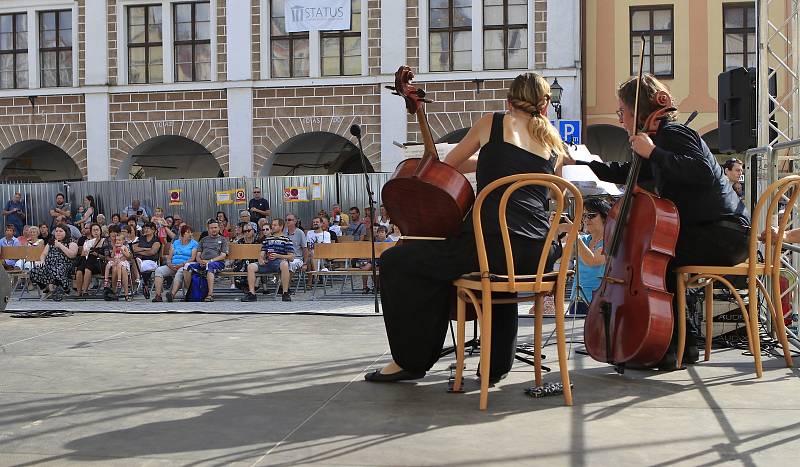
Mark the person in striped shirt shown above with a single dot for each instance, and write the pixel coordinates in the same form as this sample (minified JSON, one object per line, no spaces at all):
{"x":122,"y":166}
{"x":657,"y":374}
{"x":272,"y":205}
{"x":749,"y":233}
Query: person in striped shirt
{"x":277,"y":251}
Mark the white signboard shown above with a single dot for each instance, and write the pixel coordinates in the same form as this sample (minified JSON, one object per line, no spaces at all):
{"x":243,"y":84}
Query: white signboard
{"x":317,"y":15}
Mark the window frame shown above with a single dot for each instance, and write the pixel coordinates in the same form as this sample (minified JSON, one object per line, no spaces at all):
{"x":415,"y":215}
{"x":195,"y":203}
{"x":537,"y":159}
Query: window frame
{"x":56,"y":49}
{"x":506,"y":28}
{"x":147,"y":45}
{"x":450,"y":30}
{"x":291,"y":37}
{"x":743,"y":32}
{"x":649,"y":35}
{"x":15,"y":51}
{"x":194,"y":42}
{"x":340,"y":37}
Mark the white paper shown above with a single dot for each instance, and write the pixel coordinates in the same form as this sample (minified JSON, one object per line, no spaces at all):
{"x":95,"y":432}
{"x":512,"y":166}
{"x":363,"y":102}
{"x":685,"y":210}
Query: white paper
{"x":587,"y":182}
{"x":581,"y":153}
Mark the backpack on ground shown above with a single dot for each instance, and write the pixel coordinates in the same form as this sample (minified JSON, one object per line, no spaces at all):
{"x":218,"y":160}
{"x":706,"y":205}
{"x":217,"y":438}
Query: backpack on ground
{"x":198,"y":289}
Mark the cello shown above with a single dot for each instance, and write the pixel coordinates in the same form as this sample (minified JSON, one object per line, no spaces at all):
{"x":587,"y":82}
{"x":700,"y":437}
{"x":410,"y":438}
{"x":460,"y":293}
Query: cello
{"x":630,"y":317}
{"x":426,"y":197}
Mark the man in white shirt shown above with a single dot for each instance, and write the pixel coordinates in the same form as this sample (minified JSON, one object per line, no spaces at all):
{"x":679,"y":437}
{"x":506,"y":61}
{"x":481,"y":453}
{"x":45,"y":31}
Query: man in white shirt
{"x":317,"y":235}
{"x":298,"y":238}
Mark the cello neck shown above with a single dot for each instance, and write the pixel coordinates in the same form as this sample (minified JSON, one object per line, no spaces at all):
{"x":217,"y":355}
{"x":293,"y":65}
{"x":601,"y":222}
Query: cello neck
{"x":427,"y":136}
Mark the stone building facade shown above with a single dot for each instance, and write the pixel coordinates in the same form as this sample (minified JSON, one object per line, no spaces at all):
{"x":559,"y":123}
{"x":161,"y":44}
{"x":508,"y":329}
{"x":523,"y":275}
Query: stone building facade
{"x":124,"y":102}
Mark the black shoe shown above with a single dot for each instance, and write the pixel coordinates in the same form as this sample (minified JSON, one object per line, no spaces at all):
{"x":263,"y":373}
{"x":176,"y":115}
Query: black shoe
{"x":249,"y":297}
{"x":366,"y":291}
{"x":286,"y":297}
{"x":168,"y":295}
{"x":403,"y":375}
{"x":157,"y":298}
{"x":146,"y":291}
{"x":691,"y":355}
{"x":669,"y":362}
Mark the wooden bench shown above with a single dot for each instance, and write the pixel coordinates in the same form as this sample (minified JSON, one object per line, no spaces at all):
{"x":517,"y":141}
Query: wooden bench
{"x":345,"y":251}
{"x":250,"y":252}
{"x":25,"y":253}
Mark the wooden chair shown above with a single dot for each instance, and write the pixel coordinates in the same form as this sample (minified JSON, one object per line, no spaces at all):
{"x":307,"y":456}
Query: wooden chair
{"x":476,"y":288}
{"x":754,"y":270}
{"x":26,"y":253}
{"x":344,"y":251}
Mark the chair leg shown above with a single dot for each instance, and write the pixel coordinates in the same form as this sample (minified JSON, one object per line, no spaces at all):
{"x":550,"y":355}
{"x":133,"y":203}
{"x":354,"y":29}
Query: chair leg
{"x":755,"y":343}
{"x":461,"y":316}
{"x":538,"y":310}
{"x":486,"y":346}
{"x":780,"y":326}
{"x":561,"y":343}
{"x":709,"y":291}
{"x":681,"y":313}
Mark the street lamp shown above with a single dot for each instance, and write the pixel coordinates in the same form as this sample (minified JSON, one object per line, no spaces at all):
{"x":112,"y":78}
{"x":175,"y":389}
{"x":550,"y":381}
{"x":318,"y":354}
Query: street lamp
{"x":555,"y":97}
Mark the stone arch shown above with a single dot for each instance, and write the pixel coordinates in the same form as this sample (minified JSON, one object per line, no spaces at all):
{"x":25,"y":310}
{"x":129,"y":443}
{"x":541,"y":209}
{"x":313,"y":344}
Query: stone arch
{"x":445,"y":123}
{"x":63,"y":136}
{"x":136,"y":133}
{"x":283,"y":129}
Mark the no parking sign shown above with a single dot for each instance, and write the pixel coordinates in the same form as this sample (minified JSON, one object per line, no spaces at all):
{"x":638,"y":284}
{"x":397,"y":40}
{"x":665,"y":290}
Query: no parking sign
{"x":239,"y":196}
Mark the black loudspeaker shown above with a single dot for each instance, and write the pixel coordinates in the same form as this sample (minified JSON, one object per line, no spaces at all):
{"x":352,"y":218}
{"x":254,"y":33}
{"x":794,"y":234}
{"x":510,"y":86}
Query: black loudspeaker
{"x":737,"y":110}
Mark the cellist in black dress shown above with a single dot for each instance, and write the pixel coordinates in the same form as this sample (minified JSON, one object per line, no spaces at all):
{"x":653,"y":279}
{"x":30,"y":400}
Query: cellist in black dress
{"x":417,"y":276}
{"x":678,"y":166}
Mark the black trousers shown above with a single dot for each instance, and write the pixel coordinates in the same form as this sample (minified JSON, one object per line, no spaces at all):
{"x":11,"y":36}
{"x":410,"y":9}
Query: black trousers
{"x":417,"y":295}
{"x":706,"y":245}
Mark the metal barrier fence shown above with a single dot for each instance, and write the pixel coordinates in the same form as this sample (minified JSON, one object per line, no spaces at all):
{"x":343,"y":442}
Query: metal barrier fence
{"x":198,"y":196}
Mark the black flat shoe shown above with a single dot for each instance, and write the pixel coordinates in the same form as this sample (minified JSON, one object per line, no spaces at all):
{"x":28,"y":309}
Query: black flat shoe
{"x":403,"y":375}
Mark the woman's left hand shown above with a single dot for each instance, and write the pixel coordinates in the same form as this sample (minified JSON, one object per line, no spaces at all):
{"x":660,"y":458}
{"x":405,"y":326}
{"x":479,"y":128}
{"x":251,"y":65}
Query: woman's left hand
{"x":642,"y":145}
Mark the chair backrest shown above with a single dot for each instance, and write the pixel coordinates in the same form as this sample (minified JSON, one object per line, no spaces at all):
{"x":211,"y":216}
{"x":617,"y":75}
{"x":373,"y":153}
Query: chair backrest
{"x":558,"y":188}
{"x":243,"y":251}
{"x":27,"y":253}
{"x":785,"y":190}
{"x":345,"y":238}
{"x":349,"y":250}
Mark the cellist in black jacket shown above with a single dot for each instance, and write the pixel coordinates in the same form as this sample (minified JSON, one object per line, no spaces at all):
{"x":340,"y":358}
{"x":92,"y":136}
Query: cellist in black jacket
{"x":678,"y":166}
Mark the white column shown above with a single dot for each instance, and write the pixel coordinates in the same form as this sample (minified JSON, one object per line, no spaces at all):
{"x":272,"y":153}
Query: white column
{"x":563,"y":37}
{"x":96,"y":33}
{"x":97,"y":137}
{"x":239,"y":46}
{"x":33,"y":50}
{"x":477,"y":35}
{"x":394,"y":127}
{"x":393,"y":36}
{"x":168,"y":41}
{"x":240,"y":132}
{"x":314,"y":55}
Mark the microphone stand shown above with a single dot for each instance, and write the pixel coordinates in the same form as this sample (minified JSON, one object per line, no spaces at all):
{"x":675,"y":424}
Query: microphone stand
{"x":355,"y":130}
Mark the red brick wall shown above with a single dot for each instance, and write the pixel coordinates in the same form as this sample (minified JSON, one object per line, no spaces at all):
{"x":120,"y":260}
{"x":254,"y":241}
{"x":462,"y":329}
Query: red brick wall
{"x":200,"y":116}
{"x":281,"y":113}
{"x":456,"y":105}
{"x":59,"y":120}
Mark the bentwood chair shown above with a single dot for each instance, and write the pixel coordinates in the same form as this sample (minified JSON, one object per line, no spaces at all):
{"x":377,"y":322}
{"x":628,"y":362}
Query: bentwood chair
{"x":753,"y":269}
{"x":476,"y":288}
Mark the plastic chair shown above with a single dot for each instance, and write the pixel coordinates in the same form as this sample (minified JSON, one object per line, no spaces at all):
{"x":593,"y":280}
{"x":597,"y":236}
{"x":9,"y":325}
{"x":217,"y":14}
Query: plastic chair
{"x":755,"y":270}
{"x":476,"y":288}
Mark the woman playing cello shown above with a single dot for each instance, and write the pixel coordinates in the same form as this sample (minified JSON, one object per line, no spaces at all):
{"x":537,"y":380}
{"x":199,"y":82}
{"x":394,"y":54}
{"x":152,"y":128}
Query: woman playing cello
{"x":417,"y":277}
{"x":678,"y":166}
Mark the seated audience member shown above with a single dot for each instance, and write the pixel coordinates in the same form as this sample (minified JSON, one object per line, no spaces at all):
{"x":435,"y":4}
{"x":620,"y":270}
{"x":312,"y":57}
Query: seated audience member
{"x":183,"y":252}
{"x":89,"y":261}
{"x":53,"y":273}
{"x":107,"y":252}
{"x":384,"y":219}
{"x":334,"y":230}
{"x":238,"y":234}
{"x":23,"y":238}
{"x":789,"y":236}
{"x":247,"y":237}
{"x":101,"y":221}
{"x":277,"y":252}
{"x":356,"y":227}
{"x":380,"y":237}
{"x":224,"y":226}
{"x":115,"y":220}
{"x":338,"y":217}
{"x":244,"y":216}
{"x":174,"y":230}
{"x":298,"y":238}
{"x":147,"y":250}
{"x":74,"y":232}
{"x":120,"y":269}
{"x":394,"y":233}
{"x":44,"y":233}
{"x":211,"y":257}
{"x":262,"y":224}
{"x":317,"y":235}
{"x":6,"y":241}
{"x":135,"y":209}
{"x":33,"y":240}
{"x":133,"y":223}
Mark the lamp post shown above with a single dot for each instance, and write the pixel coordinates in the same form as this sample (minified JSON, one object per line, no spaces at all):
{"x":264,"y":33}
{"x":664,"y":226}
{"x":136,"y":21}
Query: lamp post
{"x":555,"y":97}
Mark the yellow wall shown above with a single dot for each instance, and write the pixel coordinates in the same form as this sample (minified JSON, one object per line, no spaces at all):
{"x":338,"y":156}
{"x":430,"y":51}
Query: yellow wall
{"x":698,"y":57}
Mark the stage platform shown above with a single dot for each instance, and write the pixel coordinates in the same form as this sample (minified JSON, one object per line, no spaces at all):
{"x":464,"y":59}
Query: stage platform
{"x":276,"y":389}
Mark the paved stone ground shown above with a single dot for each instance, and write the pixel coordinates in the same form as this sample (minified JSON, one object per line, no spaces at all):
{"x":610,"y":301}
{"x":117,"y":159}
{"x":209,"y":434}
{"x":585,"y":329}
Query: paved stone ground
{"x":276,"y":389}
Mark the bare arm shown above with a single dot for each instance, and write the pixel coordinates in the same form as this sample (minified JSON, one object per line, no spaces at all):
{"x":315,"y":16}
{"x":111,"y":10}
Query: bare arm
{"x":463,"y":156}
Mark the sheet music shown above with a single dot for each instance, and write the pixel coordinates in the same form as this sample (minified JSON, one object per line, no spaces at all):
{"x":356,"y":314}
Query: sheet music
{"x":587,"y":182}
{"x":581,"y":153}
{"x":442,"y":149}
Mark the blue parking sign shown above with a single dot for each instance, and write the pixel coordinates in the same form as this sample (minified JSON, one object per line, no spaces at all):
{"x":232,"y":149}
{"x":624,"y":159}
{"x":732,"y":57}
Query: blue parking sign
{"x":570,"y":131}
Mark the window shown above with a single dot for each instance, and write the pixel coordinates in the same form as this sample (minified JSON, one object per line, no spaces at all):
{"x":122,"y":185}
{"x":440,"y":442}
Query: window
{"x":341,"y":50}
{"x":505,"y":34}
{"x":655,"y":23}
{"x":289,"y":50}
{"x":14,"y":51}
{"x":739,"y":32}
{"x":450,"y":39}
{"x":192,"y":41}
{"x":145,"y":52}
{"x":55,"y":48}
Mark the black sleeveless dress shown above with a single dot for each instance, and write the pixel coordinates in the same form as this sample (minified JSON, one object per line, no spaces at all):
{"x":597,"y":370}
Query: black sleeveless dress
{"x":416,"y":277}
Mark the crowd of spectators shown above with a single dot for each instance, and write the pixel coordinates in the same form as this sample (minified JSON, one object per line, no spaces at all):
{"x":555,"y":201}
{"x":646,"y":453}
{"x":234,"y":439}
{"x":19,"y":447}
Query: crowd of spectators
{"x":140,"y":249}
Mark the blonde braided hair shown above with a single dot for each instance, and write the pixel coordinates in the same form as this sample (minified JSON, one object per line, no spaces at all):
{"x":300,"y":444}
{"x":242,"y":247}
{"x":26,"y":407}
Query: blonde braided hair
{"x":530,"y":93}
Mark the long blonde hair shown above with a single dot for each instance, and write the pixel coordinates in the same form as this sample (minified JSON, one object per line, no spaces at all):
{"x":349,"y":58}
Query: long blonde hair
{"x":530,"y":93}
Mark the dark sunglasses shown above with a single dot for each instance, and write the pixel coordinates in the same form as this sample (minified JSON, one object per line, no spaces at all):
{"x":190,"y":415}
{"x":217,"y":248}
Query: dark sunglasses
{"x":590,"y":215}
{"x":256,"y":192}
